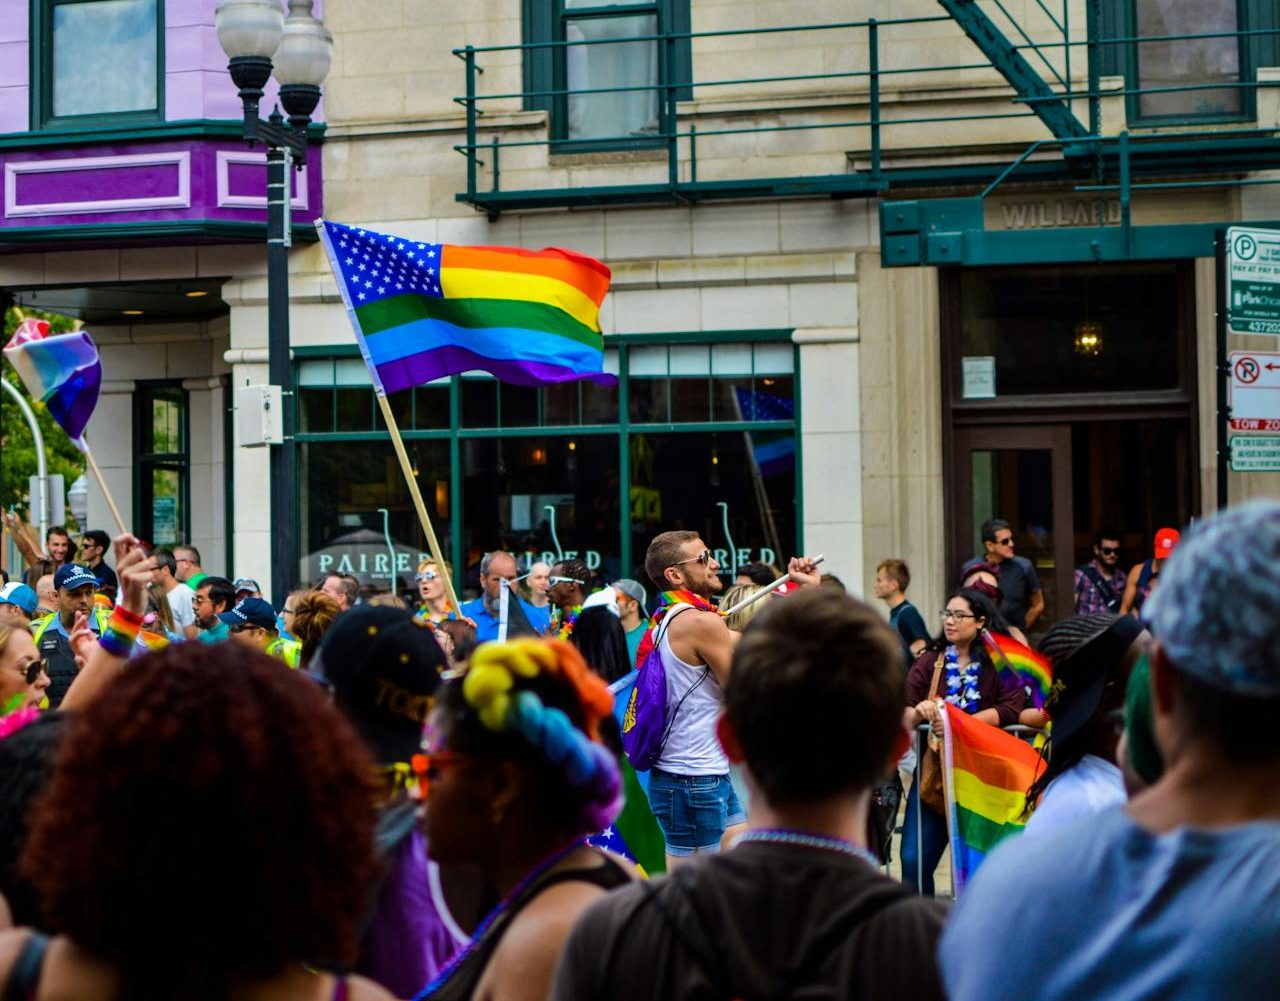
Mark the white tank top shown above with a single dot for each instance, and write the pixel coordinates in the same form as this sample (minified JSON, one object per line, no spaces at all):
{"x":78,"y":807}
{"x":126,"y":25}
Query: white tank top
{"x":692,"y":747}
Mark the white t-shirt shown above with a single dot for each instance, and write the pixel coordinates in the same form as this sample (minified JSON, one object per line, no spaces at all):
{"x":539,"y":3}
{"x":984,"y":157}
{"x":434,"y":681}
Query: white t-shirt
{"x":1092,"y":786}
{"x":692,"y":747}
{"x":180,"y":604}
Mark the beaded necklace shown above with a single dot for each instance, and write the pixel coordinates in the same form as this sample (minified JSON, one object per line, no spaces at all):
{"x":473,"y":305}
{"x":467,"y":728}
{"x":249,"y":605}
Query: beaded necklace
{"x":785,"y":836}
{"x":531,"y":877}
{"x":568,"y":622}
{"x":962,"y":686}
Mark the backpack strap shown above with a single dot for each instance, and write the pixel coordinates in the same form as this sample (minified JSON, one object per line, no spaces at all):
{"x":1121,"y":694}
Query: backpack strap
{"x":1108,"y":593}
{"x":706,"y":673}
{"x":24,"y":977}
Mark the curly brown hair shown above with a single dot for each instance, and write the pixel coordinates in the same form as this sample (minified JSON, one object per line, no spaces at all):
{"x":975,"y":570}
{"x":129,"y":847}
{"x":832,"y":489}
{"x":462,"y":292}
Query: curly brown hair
{"x":210,"y":820}
{"x":313,"y":614}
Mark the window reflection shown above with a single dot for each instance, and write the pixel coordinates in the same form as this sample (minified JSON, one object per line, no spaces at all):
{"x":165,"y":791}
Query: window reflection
{"x":343,"y":486}
{"x":104,"y":57}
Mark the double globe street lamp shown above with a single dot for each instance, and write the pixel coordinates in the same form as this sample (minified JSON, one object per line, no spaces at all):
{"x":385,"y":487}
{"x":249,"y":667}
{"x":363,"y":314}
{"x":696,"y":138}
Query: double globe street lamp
{"x":259,"y":41}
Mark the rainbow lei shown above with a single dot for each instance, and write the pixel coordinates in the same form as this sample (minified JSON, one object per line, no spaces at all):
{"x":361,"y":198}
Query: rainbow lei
{"x":668,"y":599}
{"x":570,"y":620}
{"x":422,"y":615}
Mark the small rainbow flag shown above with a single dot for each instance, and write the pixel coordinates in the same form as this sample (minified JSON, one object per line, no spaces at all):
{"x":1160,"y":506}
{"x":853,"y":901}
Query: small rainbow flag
{"x":422,"y":311}
{"x":63,"y":371}
{"x":1030,"y":668}
{"x":987,"y":773}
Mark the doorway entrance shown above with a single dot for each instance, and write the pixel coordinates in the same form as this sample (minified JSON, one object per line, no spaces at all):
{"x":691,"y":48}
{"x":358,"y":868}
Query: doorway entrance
{"x":1060,"y":442}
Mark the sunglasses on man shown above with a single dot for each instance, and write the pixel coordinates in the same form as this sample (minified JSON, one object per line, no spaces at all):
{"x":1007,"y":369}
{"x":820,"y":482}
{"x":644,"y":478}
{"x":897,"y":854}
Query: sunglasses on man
{"x":703,"y":558}
{"x":553,"y":581}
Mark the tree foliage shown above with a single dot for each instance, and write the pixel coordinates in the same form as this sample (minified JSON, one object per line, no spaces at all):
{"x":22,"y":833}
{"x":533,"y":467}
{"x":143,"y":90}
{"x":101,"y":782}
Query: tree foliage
{"x":17,"y":448}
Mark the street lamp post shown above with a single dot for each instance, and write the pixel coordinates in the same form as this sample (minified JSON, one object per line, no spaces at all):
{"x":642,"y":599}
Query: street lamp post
{"x":253,"y":33}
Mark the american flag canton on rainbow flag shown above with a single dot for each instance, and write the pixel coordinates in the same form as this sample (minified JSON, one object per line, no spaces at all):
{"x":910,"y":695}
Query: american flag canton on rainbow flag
{"x":427,"y":310}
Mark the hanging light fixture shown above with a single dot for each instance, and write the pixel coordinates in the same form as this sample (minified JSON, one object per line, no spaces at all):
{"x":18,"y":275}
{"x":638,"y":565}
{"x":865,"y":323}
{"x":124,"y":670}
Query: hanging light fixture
{"x":1088,"y":338}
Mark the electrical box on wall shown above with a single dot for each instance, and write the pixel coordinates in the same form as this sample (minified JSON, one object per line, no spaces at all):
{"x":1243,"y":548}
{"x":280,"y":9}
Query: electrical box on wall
{"x":259,"y":416}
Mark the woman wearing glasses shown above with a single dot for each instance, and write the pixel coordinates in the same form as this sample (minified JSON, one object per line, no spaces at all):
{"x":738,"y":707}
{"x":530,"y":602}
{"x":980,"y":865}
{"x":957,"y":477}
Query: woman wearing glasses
{"x":957,"y":669}
{"x":435,"y":607}
{"x":23,"y":679}
{"x":518,"y":778}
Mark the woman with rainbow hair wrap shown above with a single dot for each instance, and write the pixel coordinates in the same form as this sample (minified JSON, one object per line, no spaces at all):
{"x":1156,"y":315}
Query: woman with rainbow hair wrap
{"x":517,"y":778}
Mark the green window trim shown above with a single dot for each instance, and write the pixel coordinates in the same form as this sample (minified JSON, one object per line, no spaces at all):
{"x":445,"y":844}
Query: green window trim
{"x":544,"y":67}
{"x":457,"y":434}
{"x":41,"y":76}
{"x":150,"y":457}
{"x":1119,"y":20}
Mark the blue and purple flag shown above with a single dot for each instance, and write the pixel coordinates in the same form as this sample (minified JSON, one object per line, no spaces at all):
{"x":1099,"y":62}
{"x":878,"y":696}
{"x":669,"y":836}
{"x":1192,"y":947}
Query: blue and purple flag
{"x":62,"y":371}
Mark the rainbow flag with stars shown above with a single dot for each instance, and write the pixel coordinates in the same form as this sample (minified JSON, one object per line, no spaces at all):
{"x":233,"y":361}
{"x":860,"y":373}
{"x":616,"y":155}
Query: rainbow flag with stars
{"x":62,"y":371}
{"x":422,"y":311}
{"x":987,"y":773}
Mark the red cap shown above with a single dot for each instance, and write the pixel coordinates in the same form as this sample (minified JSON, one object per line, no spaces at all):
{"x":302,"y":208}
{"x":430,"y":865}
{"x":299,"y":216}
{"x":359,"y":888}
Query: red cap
{"x":1166,"y":540}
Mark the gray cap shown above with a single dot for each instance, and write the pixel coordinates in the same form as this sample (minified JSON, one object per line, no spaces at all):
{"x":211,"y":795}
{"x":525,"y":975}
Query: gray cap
{"x":633,"y":589}
{"x":1216,"y":611}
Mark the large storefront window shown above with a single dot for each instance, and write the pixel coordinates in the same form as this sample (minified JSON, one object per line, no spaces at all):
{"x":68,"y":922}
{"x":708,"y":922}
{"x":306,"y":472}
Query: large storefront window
{"x":356,"y":513}
{"x":707,"y":442}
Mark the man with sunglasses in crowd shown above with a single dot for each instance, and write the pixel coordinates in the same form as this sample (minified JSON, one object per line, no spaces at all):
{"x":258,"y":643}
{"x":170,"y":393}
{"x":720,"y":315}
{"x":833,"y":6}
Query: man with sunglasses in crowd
{"x":1099,"y":585}
{"x":1022,"y":600}
{"x":689,"y":789}
{"x":498,"y":570}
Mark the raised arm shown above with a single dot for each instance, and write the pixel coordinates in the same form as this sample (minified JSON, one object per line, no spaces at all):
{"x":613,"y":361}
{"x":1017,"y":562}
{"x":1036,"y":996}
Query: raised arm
{"x":105,"y":662}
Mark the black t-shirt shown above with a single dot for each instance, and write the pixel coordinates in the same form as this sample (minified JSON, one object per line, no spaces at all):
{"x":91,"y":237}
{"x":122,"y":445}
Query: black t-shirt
{"x":105,"y":575}
{"x":909,"y":623}
{"x":736,"y":925}
{"x":1018,"y":582}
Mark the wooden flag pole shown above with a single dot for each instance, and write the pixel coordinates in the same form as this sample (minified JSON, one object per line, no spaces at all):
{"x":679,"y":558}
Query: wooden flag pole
{"x":102,"y":485}
{"x":407,"y":468}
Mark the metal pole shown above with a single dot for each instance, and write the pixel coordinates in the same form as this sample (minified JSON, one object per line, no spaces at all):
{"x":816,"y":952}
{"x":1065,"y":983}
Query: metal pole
{"x":1224,"y":370}
{"x":40,"y":503}
{"x":284,"y":563}
{"x":873,"y":49}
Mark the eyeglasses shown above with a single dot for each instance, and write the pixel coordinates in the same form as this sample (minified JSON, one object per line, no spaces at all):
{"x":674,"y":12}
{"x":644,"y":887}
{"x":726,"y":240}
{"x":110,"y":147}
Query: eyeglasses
{"x":33,"y":670}
{"x":703,"y":558}
{"x":182,"y":559}
{"x":428,"y":766}
{"x":426,"y":575}
{"x":1108,"y":550}
{"x":242,"y":629}
{"x":949,"y":616}
{"x":1005,"y":542}
{"x":553,"y":581}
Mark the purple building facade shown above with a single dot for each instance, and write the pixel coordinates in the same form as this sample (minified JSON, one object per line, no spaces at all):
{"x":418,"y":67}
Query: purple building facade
{"x":129,"y":201}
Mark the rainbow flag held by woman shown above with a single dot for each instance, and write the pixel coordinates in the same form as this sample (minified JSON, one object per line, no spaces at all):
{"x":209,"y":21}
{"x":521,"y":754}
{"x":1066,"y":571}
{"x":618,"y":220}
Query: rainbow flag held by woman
{"x":1030,"y":668}
{"x":63,"y":371}
{"x":422,"y":311}
{"x":986,"y":775}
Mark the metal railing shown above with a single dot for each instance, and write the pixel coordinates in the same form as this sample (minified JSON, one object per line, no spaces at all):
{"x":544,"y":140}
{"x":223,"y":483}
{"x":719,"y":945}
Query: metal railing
{"x":682,"y":146}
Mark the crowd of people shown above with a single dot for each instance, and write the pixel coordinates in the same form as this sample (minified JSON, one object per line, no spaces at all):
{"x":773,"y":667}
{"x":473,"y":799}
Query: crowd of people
{"x":366,"y":797}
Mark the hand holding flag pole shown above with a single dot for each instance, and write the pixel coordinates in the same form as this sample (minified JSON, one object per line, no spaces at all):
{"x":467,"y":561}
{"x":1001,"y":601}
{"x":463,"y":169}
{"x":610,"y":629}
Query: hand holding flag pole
{"x":64,"y":372}
{"x":764,"y":592}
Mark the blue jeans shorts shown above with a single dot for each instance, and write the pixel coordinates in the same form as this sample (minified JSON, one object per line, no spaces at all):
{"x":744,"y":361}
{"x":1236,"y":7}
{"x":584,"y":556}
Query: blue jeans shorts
{"x":693,"y":810}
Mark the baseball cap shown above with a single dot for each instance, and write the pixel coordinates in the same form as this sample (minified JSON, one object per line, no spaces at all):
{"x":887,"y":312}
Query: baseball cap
{"x":1078,"y":679}
{"x":1232,"y":645}
{"x":632,"y":589}
{"x":384,"y":668}
{"x":15,"y":593}
{"x":72,"y":576}
{"x":246,"y":584}
{"x":1166,"y":541}
{"x":252,"y":612}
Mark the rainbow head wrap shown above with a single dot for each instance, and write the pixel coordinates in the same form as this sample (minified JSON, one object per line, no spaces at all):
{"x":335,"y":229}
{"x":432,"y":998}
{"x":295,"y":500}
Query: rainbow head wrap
{"x":490,"y":687}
